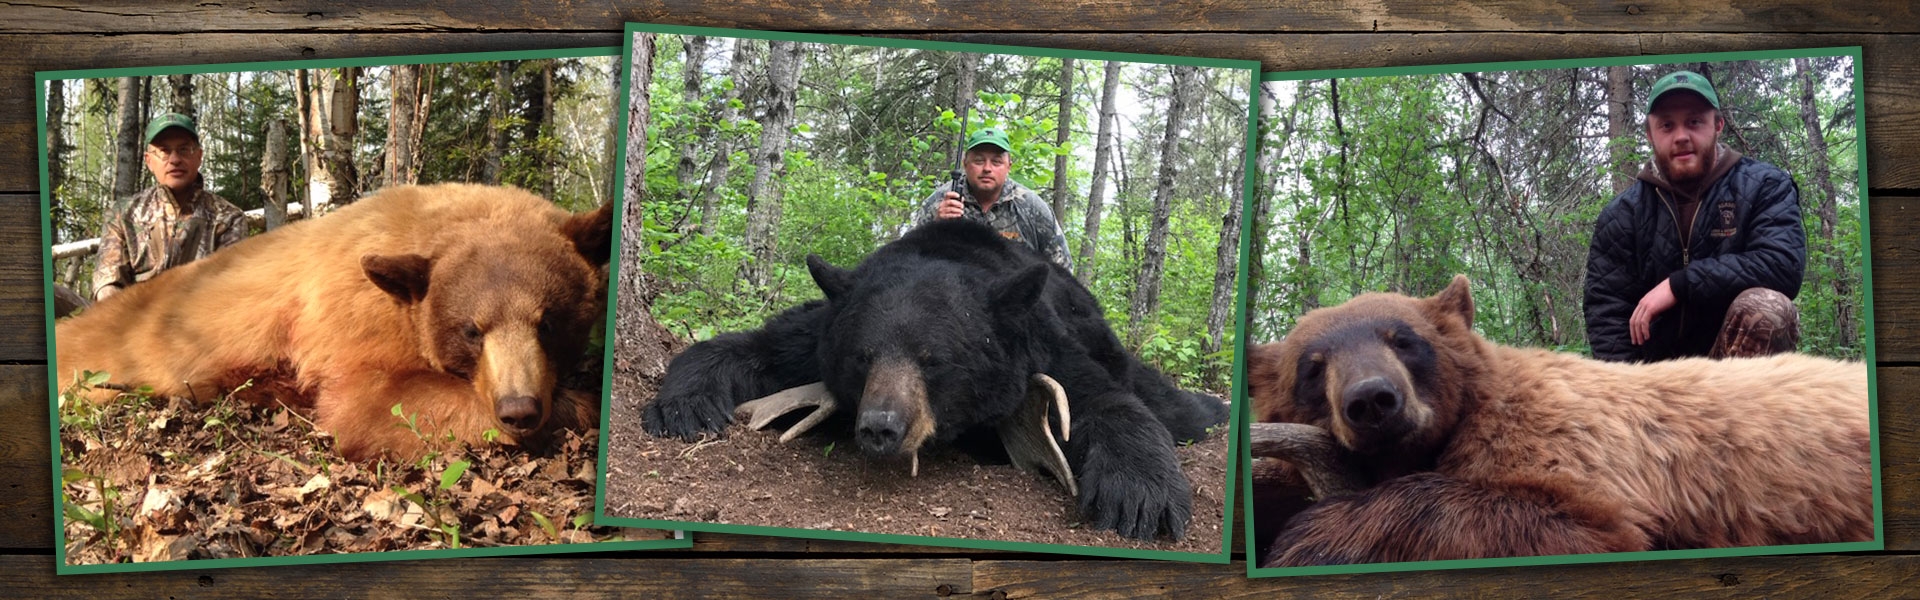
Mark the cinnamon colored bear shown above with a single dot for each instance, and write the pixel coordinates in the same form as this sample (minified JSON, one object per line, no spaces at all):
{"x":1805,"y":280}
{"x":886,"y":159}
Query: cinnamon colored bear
{"x":462,"y":303}
{"x":1474,"y":449}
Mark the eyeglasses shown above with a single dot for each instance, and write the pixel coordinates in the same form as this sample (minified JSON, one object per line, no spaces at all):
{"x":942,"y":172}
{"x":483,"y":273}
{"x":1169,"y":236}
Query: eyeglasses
{"x":188,"y":151}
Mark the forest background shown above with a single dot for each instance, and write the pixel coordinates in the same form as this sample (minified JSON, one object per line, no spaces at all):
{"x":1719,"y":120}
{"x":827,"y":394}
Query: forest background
{"x":301,"y":137}
{"x":1396,"y":183}
{"x":760,"y":152}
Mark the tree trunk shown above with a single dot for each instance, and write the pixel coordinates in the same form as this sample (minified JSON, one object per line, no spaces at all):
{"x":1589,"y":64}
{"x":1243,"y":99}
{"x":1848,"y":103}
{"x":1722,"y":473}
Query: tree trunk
{"x":497,"y":122}
{"x":721,"y":165}
{"x":343,"y":115}
{"x":273,"y":174}
{"x":764,"y":193}
{"x":1226,"y":263}
{"x":549,"y":167}
{"x":692,"y":80}
{"x":632,"y":292}
{"x":1827,"y":208}
{"x":964,"y":65}
{"x":1062,"y":130}
{"x":127,"y":143}
{"x":1102,"y":150}
{"x":56,"y":151}
{"x":403,"y":139}
{"x":1620,"y":131}
{"x":181,"y":100}
{"x":1146,"y":294}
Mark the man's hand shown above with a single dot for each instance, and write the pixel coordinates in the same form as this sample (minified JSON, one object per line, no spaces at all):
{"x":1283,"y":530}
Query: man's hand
{"x":1651,"y":305}
{"x":950,"y":207}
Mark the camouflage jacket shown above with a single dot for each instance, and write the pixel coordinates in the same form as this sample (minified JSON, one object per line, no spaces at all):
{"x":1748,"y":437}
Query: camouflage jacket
{"x":149,"y":234}
{"x":1020,"y":215}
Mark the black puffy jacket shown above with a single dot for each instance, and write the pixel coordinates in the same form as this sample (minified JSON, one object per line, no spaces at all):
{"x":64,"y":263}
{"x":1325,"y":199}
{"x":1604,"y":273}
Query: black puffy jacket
{"x":1746,"y":234}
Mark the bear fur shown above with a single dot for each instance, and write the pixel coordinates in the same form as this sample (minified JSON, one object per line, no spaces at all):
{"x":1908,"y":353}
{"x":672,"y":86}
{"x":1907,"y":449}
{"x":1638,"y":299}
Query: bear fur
{"x":1482,"y":450}
{"x":465,"y":304}
{"x":933,"y":339}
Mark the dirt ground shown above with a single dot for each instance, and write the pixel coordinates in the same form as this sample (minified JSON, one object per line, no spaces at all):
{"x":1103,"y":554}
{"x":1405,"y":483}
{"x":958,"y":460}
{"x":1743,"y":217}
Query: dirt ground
{"x":822,"y":481}
{"x":156,"y":480}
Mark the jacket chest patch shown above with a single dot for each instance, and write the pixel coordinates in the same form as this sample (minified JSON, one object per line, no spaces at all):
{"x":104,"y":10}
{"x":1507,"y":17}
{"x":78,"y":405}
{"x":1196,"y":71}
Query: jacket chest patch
{"x":1724,"y":227}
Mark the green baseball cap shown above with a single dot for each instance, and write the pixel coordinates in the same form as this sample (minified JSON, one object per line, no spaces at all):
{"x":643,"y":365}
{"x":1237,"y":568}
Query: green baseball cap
{"x":1683,"y":80}
{"x":989,"y":136}
{"x":162,"y":122}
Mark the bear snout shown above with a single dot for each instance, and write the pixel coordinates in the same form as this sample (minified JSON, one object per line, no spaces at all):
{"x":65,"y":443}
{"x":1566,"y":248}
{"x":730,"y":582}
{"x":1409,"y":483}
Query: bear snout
{"x":1371,"y":403}
{"x":521,"y":414}
{"x":880,"y":431}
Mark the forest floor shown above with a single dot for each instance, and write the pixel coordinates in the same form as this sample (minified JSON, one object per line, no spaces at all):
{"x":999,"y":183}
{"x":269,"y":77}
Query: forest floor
{"x":158,"y":480}
{"x":822,"y":481}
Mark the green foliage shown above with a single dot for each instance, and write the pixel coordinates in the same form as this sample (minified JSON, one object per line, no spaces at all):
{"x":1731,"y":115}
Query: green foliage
{"x":1501,"y":175}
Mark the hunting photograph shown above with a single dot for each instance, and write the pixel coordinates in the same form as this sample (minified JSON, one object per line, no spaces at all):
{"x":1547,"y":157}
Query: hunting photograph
{"x":935,"y":292}
{"x":1554,"y":311}
{"x":329,"y":310}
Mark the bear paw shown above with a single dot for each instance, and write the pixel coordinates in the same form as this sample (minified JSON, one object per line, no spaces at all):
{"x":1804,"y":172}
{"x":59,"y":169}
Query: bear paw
{"x":687,"y":415}
{"x":1139,"y":499}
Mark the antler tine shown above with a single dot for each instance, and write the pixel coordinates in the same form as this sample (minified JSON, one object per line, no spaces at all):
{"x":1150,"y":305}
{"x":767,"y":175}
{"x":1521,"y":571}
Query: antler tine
{"x":764,"y":410}
{"x":1321,"y":461}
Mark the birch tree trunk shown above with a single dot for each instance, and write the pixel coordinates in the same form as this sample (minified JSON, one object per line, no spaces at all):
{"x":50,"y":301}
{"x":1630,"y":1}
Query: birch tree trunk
{"x":764,"y":193}
{"x":1062,"y":131}
{"x":181,"y":98}
{"x":1226,"y":264}
{"x":127,"y":167}
{"x":1146,"y":294}
{"x":692,"y":79}
{"x":404,"y":120}
{"x":721,"y":165}
{"x":1102,"y":151}
{"x":274,"y":176}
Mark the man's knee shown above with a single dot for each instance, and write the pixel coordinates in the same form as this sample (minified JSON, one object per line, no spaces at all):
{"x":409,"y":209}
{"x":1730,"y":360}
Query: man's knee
{"x":1759,"y":322}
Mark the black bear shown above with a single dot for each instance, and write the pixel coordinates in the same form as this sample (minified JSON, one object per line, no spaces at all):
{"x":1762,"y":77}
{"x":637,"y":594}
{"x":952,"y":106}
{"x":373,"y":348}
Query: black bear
{"x":940,"y":334}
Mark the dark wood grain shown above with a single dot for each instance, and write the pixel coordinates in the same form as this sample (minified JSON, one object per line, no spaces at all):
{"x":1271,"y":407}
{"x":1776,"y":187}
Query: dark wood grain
{"x":73,"y":34}
{"x":22,"y":287}
{"x":923,"y":15}
{"x":26,"y":459}
{"x":558,"y":577}
{"x":1858,"y":576}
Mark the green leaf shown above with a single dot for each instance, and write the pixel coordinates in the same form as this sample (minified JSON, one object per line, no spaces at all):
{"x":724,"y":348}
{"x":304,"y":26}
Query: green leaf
{"x":544,"y":523}
{"x":582,"y":520}
{"x":71,"y":474}
{"x":396,"y":410}
{"x":453,"y":473}
{"x":93,"y":378}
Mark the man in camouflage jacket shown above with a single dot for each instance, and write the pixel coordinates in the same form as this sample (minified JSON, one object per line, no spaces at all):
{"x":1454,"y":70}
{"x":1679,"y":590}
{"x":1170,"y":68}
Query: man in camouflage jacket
{"x":1704,"y":253}
{"x":993,"y":198}
{"x":175,"y":222}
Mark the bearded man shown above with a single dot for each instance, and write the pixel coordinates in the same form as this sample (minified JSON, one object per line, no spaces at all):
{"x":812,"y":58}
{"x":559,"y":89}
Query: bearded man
{"x":1703,"y":255}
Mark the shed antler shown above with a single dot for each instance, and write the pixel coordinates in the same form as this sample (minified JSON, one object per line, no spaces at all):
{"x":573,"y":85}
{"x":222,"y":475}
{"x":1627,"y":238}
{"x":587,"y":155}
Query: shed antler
{"x":763,"y":411}
{"x":1029,"y":438}
{"x":1325,"y":465}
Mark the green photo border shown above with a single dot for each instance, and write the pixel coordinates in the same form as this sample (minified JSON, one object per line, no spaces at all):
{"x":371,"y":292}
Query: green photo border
{"x":679,"y":539}
{"x":1234,"y":422}
{"x":1873,"y":413}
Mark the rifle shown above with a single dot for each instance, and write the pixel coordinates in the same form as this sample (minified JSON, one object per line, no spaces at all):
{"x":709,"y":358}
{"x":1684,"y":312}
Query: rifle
{"x":959,"y":174}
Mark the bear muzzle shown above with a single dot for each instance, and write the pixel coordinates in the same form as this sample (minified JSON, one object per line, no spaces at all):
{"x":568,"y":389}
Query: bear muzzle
{"x":520,"y":414}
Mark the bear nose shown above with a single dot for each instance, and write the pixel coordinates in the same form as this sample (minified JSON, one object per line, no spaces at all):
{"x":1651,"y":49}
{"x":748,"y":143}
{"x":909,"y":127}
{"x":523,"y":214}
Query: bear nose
{"x":519,"y":413}
{"x":880,"y":431}
{"x":1371,"y":402}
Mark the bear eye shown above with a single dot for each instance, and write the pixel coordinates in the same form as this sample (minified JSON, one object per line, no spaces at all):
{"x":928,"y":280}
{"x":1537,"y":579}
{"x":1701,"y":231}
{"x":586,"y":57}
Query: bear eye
{"x":472,"y":331}
{"x":1312,"y":366}
{"x":549,"y":322}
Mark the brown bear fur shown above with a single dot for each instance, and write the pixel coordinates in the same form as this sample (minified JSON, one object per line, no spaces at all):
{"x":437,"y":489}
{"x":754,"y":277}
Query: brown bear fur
{"x":1534,"y":452}
{"x":462,"y":303}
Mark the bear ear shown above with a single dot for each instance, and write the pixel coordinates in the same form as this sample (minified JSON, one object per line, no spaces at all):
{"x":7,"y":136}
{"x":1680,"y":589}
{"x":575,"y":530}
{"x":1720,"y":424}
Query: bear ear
{"x":833,"y":281}
{"x":1020,"y":291}
{"x":404,"y":276}
{"x":592,"y":233}
{"x":1456,"y":299}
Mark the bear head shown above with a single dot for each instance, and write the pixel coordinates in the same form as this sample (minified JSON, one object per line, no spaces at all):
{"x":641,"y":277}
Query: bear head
{"x":506,"y":303}
{"x":1388,"y":375}
{"x":929,"y":348}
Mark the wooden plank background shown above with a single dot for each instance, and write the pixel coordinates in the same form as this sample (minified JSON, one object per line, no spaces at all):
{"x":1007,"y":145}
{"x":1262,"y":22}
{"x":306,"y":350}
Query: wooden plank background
{"x":75,"y":34}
